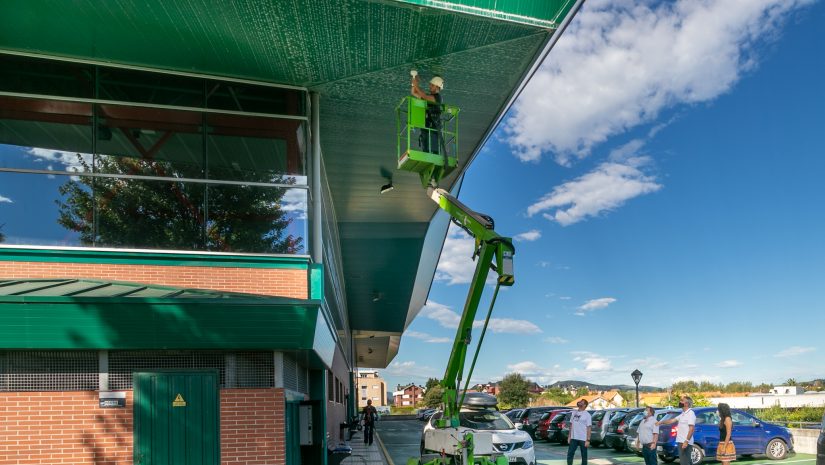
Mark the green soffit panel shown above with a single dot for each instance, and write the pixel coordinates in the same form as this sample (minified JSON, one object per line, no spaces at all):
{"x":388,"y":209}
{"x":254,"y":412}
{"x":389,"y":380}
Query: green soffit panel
{"x":542,"y":13}
{"x":87,"y":314}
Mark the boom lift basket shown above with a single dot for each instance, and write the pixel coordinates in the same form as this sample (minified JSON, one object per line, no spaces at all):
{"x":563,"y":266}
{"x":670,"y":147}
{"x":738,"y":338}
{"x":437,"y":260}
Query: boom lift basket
{"x":430,"y":152}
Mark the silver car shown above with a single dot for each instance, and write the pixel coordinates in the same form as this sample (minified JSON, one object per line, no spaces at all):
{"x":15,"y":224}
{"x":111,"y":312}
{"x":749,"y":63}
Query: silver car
{"x":601,"y":420}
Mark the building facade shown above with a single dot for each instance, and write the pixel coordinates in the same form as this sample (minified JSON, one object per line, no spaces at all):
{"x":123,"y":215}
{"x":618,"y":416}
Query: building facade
{"x":408,"y":396}
{"x":372,"y":387}
{"x":193,"y":247}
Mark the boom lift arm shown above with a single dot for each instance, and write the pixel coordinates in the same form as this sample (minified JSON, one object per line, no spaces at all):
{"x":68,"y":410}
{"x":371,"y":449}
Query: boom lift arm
{"x":454,"y":444}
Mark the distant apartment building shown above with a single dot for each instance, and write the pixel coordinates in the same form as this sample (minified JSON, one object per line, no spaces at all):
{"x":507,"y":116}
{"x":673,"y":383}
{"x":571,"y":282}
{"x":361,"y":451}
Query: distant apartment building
{"x":408,"y":396}
{"x":370,"y":387}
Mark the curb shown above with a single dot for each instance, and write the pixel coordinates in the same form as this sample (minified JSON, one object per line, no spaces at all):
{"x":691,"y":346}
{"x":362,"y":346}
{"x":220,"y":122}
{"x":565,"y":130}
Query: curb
{"x":387,"y":457}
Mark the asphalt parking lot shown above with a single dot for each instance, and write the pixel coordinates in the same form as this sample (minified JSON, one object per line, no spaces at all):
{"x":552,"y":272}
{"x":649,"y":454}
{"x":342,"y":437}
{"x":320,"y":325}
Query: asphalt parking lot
{"x":402,"y":440}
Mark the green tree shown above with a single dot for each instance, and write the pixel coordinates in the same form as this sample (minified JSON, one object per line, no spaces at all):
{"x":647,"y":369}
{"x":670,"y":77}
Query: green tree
{"x":168,"y":214}
{"x":433,"y":396}
{"x":791,"y":382}
{"x":431,"y":382}
{"x":557,"y":396}
{"x":685,"y":386}
{"x":2,"y":236}
{"x":582,"y":391}
{"x":513,"y":391}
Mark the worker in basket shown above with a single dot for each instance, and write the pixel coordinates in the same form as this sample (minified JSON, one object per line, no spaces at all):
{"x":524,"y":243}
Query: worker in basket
{"x":430,"y":139}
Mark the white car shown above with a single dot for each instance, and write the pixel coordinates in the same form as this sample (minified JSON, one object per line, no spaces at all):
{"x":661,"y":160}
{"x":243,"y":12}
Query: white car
{"x":513,"y":443}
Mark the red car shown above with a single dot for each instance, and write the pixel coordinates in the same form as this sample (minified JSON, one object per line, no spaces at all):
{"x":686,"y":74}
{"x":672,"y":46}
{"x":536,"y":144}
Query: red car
{"x":543,"y":429}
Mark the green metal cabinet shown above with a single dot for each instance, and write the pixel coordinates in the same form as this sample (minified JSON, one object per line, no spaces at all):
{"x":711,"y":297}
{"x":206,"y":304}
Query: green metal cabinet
{"x":176,"y":417}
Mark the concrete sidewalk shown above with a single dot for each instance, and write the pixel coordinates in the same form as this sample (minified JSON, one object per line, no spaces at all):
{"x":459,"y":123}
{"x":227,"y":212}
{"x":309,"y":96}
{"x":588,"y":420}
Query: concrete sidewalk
{"x":363,"y":454}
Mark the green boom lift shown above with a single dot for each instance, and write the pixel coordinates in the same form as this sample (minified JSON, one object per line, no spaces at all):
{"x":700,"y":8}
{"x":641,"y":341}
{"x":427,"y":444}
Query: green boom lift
{"x":453,"y":443}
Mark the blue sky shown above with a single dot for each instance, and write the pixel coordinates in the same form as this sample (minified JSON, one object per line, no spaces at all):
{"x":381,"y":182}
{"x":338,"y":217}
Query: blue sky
{"x":663,"y":172}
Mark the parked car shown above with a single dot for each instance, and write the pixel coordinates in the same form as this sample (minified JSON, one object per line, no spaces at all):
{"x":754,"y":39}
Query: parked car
{"x":544,"y":423}
{"x":424,"y":414}
{"x":751,"y":436}
{"x":554,"y":429}
{"x":529,"y":417}
{"x":615,"y":430}
{"x":515,"y":444}
{"x":600,"y":423}
{"x":820,"y":444}
{"x":513,"y":414}
{"x":632,"y":431}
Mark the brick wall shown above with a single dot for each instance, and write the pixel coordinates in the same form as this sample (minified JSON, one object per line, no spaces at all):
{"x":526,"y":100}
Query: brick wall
{"x":63,"y":428}
{"x":70,"y":428}
{"x":252,"y":427}
{"x":283,"y":282}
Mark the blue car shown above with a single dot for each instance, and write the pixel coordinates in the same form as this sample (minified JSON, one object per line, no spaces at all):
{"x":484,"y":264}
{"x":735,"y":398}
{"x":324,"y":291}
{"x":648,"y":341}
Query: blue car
{"x":751,"y":436}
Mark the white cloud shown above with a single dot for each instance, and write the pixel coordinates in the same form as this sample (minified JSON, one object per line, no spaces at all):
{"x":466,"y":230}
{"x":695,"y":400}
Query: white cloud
{"x":529,"y":236}
{"x":565,"y":297}
{"x":526,"y":368}
{"x":729,"y":364}
{"x":606,"y":188}
{"x":556,"y":340}
{"x":455,"y":265}
{"x":4,"y":199}
{"x":509,"y":325}
{"x":427,"y":338}
{"x":295,"y":201}
{"x":794,"y":351}
{"x":447,"y":318}
{"x":441,"y":313}
{"x":593,"y":362}
{"x":622,"y":62}
{"x":410,"y":369}
{"x":70,"y":161}
{"x":594,"y":304}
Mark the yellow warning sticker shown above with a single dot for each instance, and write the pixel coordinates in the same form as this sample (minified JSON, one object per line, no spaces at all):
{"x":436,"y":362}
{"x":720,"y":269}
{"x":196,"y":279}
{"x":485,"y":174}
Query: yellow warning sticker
{"x":179,"y":402}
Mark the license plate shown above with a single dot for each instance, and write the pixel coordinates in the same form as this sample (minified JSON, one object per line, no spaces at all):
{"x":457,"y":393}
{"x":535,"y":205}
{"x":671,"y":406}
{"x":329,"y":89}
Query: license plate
{"x":660,"y":448}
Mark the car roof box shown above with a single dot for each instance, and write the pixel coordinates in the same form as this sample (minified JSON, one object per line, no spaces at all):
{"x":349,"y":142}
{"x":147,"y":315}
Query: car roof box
{"x":480,"y":400}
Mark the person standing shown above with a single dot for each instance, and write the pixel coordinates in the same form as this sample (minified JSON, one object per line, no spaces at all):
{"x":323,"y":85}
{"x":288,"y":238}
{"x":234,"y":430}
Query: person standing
{"x":431,"y":141}
{"x":726,"y":452}
{"x":685,"y":425}
{"x":649,"y":436}
{"x":370,"y":415}
{"x":580,"y":425}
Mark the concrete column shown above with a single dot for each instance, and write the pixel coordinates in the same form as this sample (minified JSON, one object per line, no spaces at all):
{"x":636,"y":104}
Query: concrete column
{"x":317,"y":249}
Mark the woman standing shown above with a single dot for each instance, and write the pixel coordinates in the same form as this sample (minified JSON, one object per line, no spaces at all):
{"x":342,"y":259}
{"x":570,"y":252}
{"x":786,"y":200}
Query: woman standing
{"x":648,"y":436}
{"x":726,"y":452}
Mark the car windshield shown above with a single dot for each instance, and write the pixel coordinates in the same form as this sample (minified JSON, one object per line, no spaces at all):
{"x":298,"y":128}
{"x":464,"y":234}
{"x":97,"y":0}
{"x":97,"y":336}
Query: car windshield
{"x":485,"y":420}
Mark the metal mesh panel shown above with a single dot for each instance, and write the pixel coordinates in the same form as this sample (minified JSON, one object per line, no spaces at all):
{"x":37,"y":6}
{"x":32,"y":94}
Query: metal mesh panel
{"x":290,"y":373}
{"x":48,"y":370}
{"x":251,"y":369}
{"x":303,"y":379}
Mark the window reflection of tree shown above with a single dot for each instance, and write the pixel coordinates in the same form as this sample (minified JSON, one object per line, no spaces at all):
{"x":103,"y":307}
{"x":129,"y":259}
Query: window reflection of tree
{"x":177,"y":214}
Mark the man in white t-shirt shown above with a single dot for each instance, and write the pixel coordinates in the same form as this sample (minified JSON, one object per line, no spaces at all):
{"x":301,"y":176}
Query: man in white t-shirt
{"x":685,"y":425}
{"x":580,"y":424}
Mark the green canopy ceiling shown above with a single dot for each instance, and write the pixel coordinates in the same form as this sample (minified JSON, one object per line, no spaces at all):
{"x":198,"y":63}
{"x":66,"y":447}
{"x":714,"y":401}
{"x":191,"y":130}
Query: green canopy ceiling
{"x":357,"y":55}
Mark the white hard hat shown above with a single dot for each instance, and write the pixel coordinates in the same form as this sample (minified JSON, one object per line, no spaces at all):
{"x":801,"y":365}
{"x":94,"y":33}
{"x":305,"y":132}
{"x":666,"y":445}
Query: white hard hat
{"x":438,"y":82}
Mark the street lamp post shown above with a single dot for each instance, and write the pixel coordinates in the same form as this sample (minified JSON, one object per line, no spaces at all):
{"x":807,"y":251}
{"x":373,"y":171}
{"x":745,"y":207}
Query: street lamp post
{"x":637,"y":377}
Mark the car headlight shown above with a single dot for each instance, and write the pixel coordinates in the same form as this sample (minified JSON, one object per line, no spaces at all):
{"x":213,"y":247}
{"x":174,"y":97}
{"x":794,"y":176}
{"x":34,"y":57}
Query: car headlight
{"x":527,"y":444}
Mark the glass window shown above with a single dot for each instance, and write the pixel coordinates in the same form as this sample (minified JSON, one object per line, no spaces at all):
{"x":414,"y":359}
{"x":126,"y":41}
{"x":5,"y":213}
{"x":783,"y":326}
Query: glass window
{"x":31,"y":211}
{"x":49,"y":77}
{"x":708,"y":418}
{"x":256,"y":219}
{"x":254,"y":99}
{"x":146,"y":87}
{"x":740,"y":419}
{"x":45,"y":135}
{"x":136,"y":213}
{"x":253,"y":149}
{"x":485,"y":420}
{"x":149,"y":142}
